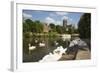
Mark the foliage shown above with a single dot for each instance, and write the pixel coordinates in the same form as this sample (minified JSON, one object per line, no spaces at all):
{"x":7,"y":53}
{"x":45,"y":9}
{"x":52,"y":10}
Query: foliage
{"x":53,"y":27}
{"x":84,"y":26}
{"x":38,"y":27}
{"x":32,"y":26}
{"x":59,"y":29}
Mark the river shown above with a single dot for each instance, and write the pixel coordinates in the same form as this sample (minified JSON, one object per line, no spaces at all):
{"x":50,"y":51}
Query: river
{"x":51,"y":43}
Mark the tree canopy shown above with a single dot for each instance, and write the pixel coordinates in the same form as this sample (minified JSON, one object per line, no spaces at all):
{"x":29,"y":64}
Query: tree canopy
{"x":32,"y":26}
{"x":84,"y":26}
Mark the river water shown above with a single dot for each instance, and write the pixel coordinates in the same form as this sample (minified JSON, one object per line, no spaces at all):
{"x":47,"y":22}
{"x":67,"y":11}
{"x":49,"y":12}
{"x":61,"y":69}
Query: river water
{"x":51,"y":43}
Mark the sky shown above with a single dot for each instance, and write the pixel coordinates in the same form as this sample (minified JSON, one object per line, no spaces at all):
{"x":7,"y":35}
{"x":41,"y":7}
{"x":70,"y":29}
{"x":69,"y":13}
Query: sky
{"x":55,"y":17}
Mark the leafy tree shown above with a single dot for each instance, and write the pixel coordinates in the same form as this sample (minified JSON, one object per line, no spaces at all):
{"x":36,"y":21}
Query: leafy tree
{"x":32,"y":26}
{"x":84,"y":26}
{"x":69,"y":31}
{"x":38,"y":26}
{"x":53,"y":27}
{"x":59,"y":29}
{"x":27,"y":25}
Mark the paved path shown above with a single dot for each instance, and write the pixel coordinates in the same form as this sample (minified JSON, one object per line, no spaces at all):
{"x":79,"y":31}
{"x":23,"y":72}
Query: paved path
{"x":83,"y":54}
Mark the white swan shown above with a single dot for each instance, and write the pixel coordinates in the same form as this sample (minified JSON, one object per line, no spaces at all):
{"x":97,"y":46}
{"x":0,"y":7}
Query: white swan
{"x":41,"y":44}
{"x":31,"y":48}
{"x":61,"y":49}
{"x":72,"y":43}
{"x":55,"y":56}
{"x":56,"y":43}
{"x":78,"y":42}
{"x":36,"y":41}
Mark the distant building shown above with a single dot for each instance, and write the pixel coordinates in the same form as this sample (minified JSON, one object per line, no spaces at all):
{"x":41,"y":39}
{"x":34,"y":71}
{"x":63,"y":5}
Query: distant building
{"x":45,"y":28}
{"x":65,"y":23}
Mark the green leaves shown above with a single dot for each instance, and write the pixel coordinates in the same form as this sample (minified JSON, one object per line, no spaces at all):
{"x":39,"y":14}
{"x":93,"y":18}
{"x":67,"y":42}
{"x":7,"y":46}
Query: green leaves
{"x":84,"y":26}
{"x":32,"y":26}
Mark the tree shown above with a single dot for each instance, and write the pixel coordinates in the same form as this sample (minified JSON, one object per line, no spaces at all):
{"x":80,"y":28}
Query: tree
{"x":53,"y":27}
{"x":32,"y":26}
{"x":38,"y":27}
{"x":27,"y":25}
{"x":59,"y":29}
{"x":84,"y":26}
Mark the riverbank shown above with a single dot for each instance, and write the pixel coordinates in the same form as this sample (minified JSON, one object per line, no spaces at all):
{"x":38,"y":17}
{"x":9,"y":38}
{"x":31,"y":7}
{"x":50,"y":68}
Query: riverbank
{"x":82,"y":54}
{"x":50,"y":34}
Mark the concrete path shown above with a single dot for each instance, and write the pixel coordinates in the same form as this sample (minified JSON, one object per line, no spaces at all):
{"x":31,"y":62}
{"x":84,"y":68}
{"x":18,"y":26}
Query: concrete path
{"x":82,"y":54}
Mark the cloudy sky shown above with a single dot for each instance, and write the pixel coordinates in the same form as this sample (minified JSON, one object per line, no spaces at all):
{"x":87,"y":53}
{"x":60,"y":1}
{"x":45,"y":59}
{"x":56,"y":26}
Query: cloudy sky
{"x":52,"y":16}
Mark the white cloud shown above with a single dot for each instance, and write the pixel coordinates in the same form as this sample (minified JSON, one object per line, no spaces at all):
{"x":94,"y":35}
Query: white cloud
{"x":25,"y":15}
{"x":65,"y":17}
{"x":49,"y":20}
{"x":61,"y":13}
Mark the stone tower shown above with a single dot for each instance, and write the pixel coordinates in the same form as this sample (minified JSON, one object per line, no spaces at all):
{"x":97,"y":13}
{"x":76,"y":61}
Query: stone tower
{"x":65,"y":23}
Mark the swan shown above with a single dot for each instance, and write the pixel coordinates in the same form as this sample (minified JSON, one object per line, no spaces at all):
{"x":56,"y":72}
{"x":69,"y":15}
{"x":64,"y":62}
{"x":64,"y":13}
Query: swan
{"x":36,"y":41}
{"x":41,"y":44}
{"x":56,"y":43}
{"x":55,"y":56}
{"x":61,"y":49}
{"x":78,"y":42}
{"x":31,"y":48}
{"x":72,"y":43}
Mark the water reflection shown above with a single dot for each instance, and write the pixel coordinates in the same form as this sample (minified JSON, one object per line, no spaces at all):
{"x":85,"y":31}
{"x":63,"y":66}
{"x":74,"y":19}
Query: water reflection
{"x":43,"y":45}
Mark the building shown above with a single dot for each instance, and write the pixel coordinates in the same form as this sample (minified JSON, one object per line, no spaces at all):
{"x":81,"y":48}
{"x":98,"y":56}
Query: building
{"x":65,"y":23}
{"x":45,"y":28}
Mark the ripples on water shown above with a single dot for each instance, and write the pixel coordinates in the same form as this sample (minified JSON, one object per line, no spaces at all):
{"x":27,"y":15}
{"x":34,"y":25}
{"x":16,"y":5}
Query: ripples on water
{"x":51,"y":43}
